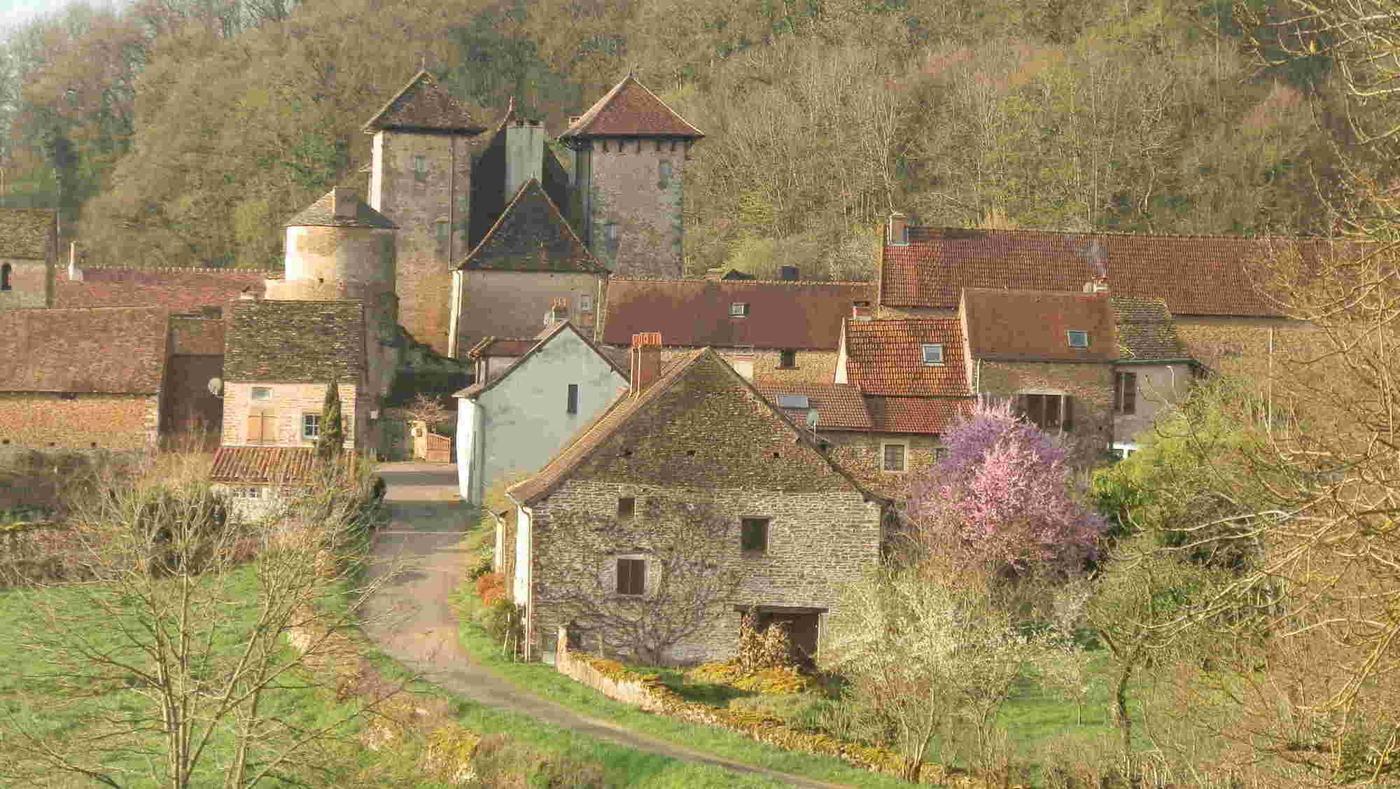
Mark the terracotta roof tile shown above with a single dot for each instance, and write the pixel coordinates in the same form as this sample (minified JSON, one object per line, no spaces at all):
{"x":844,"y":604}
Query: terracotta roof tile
{"x":1026,"y":325}
{"x":630,"y":110}
{"x":295,"y":342}
{"x":885,"y":357}
{"x":267,"y":465}
{"x":1146,"y":330}
{"x":108,"y":351}
{"x":793,"y":315}
{"x":839,"y":406}
{"x":424,"y":105}
{"x":920,"y":415}
{"x":531,"y":235}
{"x":27,"y":233}
{"x":1196,"y":275}
{"x":501,"y":346}
{"x":177,"y":290}
{"x":322,"y":213}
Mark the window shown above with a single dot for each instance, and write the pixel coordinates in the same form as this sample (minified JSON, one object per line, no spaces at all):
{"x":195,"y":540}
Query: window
{"x":420,"y":167}
{"x":262,"y":393}
{"x":892,"y":457}
{"x":585,"y":303}
{"x":442,"y":228}
{"x":262,"y":428}
{"x":932,"y":353}
{"x":753,"y":535}
{"x":1078,"y":339}
{"x":247,"y":493}
{"x":787,"y":359}
{"x":738,"y":309}
{"x":572,"y":406}
{"x":1125,"y":393}
{"x":5,"y":271}
{"x":631,"y":577}
{"x":626,"y":506}
{"x":610,"y":234}
{"x":310,"y":426}
{"x":1047,"y":411}
{"x":664,"y":169}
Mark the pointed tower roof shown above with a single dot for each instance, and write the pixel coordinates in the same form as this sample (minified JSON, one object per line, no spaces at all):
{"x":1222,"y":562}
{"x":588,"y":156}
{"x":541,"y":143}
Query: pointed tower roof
{"x":340,"y":207}
{"x":630,"y":110}
{"x":531,"y":235}
{"x":424,"y":105}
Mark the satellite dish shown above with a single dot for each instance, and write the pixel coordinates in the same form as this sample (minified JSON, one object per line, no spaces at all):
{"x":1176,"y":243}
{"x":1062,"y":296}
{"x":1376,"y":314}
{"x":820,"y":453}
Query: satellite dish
{"x":216,"y":387}
{"x":812,"y":419}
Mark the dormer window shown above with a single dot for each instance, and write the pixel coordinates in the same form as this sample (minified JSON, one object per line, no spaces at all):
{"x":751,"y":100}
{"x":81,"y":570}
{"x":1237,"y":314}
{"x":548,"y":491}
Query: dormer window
{"x":932,"y":354}
{"x":1078,"y":338}
{"x":739,"y":309}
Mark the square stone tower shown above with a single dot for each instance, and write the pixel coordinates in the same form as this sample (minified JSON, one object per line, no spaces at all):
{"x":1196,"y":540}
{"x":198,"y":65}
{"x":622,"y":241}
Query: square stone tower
{"x":420,"y":178}
{"x":630,"y":153}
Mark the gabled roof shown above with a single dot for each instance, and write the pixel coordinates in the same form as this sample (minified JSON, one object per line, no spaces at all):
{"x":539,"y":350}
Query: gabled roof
{"x":295,"y":342}
{"x":178,"y":290}
{"x":696,"y":380}
{"x":781,"y":314}
{"x":423,"y":105}
{"x":478,"y":389}
{"x":630,"y":110}
{"x":28,"y":233}
{"x":263,"y":465}
{"x":1146,"y":331}
{"x":1033,"y":325}
{"x":322,"y":213}
{"x":917,"y":415}
{"x":838,"y":406}
{"x":885,"y":357}
{"x":104,"y":351}
{"x":501,"y":346}
{"x":1195,"y":275}
{"x":531,"y":235}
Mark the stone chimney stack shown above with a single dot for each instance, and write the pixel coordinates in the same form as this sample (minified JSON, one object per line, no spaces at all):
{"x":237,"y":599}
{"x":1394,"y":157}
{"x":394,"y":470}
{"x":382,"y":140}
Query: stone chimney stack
{"x":75,"y":274}
{"x":646,"y":360}
{"x":343,"y":202}
{"x":897,"y":233}
{"x":1096,"y":285}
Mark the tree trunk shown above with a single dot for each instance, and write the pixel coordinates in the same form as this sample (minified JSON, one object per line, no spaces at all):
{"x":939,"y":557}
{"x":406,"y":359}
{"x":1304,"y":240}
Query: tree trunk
{"x":1120,"y":710}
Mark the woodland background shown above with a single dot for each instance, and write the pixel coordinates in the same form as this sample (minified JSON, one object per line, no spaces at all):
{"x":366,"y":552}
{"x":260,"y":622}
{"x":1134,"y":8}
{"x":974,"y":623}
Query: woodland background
{"x":185,"y":132}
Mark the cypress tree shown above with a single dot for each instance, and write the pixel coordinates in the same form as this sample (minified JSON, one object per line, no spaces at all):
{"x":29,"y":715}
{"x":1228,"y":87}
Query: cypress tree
{"x":328,"y":443}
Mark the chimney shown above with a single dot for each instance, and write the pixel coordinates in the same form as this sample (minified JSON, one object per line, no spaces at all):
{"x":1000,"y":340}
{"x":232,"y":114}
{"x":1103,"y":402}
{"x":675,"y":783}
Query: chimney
{"x":646,"y":360}
{"x":860,"y":311}
{"x":75,"y":274}
{"x":343,"y":202}
{"x":898,"y":231}
{"x":1096,"y":285}
{"x":787,"y":273}
{"x":558,"y":312}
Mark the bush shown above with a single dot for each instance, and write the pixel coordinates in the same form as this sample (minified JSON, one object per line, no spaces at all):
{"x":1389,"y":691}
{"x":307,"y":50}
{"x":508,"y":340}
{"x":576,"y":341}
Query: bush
{"x":501,"y":621}
{"x":500,"y":761}
{"x":772,"y":681}
{"x":479,"y":567}
{"x":491,"y":587}
{"x":763,"y":649}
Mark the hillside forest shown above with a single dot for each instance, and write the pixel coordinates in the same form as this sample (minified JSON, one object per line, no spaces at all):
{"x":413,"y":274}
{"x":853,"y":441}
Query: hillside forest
{"x":185,"y":132}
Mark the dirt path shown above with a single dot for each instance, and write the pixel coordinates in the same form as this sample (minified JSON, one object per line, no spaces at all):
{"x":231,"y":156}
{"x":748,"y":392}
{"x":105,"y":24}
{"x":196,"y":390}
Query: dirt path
{"x":412,"y":621}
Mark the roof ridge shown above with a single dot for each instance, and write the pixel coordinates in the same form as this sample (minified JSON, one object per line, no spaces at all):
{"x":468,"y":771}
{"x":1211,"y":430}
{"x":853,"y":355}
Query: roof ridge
{"x":1119,"y":233}
{"x":746,"y":281}
{"x":558,"y":216}
{"x":578,"y":127}
{"x":203,"y":269}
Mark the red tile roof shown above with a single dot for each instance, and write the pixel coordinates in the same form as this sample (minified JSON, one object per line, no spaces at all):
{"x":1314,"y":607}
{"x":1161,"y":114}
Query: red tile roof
{"x":105,"y":351}
{"x":839,"y":406}
{"x":922,"y":415}
{"x":1027,"y":325}
{"x":263,"y":465}
{"x":1196,"y":275}
{"x":177,"y":290}
{"x":630,"y":110}
{"x":885,"y":357}
{"x":791,"y":315}
{"x":424,"y":105}
{"x":501,"y":346}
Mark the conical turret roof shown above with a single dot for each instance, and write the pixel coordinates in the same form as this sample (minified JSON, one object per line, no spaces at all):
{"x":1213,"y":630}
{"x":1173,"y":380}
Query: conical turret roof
{"x":353,"y":212}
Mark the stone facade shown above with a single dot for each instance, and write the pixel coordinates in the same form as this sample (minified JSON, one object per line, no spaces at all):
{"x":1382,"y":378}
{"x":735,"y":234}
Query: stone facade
{"x":1242,"y":345}
{"x":284,"y":404}
{"x":31,"y":284}
{"x":767,"y":365}
{"x":1089,"y":385}
{"x":1159,"y":386}
{"x":862,"y":455}
{"x":628,"y":200}
{"x":79,"y":421}
{"x":515,"y":304}
{"x":422,"y":182}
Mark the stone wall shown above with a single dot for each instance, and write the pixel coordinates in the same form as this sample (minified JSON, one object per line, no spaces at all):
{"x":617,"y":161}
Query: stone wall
{"x":626,"y":689}
{"x":1090,"y":386}
{"x":31,"y":284}
{"x":810,"y":366}
{"x":621,"y":183}
{"x":417,"y":204}
{"x":1241,"y":346}
{"x":79,"y":421}
{"x":817,"y":542}
{"x":287,"y":403}
{"x":1159,"y":386}
{"x":513,"y":304}
{"x":861,"y":455}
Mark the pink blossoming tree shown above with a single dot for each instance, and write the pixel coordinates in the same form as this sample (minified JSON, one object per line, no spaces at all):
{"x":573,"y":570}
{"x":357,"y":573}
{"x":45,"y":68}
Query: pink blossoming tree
{"x":1001,"y":497}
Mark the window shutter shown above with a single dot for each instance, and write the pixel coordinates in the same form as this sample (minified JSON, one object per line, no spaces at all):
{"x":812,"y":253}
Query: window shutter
{"x":1118,"y":392}
{"x":255,"y":428}
{"x":1021,"y":405}
{"x":1130,"y":393}
{"x":1067,"y":403}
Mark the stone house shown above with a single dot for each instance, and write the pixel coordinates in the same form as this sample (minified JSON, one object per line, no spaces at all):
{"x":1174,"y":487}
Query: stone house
{"x":28,"y":251}
{"x":178,"y":290}
{"x":690,"y":501}
{"x":279,"y":358}
{"x":258,"y":479}
{"x":513,"y":423}
{"x":1152,"y":372}
{"x":529,"y":270}
{"x":770,"y":330}
{"x":82,"y":379}
{"x":630,"y":153}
